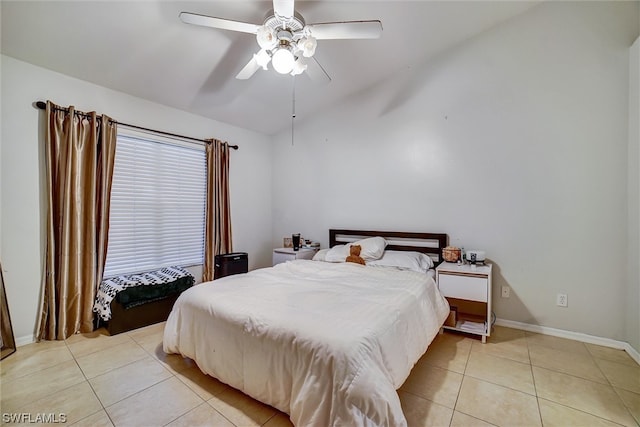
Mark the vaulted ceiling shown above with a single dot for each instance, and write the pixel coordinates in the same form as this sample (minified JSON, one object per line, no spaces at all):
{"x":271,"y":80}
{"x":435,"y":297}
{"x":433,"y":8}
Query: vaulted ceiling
{"x":143,"y":49}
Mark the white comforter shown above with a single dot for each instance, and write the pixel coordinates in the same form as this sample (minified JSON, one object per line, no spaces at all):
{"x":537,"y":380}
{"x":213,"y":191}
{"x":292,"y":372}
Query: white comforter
{"x":327,"y":343}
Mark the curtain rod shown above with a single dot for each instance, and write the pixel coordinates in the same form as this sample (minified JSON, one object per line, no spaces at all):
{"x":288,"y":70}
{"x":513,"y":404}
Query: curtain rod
{"x":43,"y":105}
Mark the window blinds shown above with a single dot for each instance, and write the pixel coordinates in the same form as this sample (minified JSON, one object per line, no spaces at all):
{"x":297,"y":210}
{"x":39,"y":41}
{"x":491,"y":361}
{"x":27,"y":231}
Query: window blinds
{"x":157,"y":206}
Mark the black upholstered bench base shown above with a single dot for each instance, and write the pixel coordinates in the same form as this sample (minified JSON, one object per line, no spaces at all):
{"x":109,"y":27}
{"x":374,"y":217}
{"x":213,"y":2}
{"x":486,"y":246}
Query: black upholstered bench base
{"x":123,"y":320}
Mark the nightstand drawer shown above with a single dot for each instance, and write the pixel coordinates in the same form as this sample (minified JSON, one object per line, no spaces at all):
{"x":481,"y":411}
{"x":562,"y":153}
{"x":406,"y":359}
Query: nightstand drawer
{"x":463,"y":287}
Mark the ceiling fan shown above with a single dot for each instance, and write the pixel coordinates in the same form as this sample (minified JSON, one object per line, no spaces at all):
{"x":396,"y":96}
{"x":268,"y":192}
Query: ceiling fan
{"x":286,"y":40}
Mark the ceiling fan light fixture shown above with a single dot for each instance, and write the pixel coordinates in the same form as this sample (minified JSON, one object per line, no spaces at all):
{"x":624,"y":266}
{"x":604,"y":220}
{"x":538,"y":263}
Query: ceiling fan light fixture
{"x":266,"y":37}
{"x":308,"y":46}
{"x":283,"y":60}
{"x":299,"y":67}
{"x":262,"y":58}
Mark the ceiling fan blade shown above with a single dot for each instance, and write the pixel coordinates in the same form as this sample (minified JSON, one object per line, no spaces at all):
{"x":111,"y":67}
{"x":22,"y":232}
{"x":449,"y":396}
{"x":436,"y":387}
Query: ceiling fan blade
{"x":316,"y":72}
{"x":224,"y":24}
{"x":248,"y":70}
{"x":346,"y":30}
{"x":283,"y":8}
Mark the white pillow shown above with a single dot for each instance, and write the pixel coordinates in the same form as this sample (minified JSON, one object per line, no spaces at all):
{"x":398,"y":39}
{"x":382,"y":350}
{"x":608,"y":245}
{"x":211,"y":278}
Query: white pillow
{"x":405,"y":260}
{"x":320,"y":255}
{"x":338,"y":253}
{"x":372,"y":248}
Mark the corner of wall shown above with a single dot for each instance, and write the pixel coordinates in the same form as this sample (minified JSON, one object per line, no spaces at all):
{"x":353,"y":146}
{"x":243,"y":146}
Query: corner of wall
{"x":633,"y":188}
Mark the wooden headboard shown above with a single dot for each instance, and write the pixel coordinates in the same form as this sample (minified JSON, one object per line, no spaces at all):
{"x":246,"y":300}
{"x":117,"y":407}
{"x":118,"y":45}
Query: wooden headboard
{"x":428,"y":243}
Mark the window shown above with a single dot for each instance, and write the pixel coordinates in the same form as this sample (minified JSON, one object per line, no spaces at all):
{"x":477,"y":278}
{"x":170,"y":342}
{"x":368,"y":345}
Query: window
{"x":157,"y":206}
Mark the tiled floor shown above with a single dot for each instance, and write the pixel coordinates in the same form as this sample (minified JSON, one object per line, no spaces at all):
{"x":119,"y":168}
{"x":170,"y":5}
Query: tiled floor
{"x":516,"y":379}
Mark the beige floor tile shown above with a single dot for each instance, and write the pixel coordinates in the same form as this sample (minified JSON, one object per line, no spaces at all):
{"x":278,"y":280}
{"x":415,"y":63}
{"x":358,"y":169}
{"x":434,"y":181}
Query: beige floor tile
{"x":433,"y":383}
{"x":448,"y":351}
{"x":40,"y":384}
{"x":280,"y":419}
{"x":99,"y":419}
{"x":35,"y":347}
{"x":621,"y":375}
{"x":155,"y":406}
{"x":612,"y":354}
{"x":424,"y":413}
{"x":138,"y":334}
{"x":504,"y":372}
{"x":203,"y":415}
{"x":452,"y":338}
{"x":496,"y":404}
{"x":110,"y":358}
{"x":75,"y":402}
{"x":241,"y":409}
{"x":463,"y":420}
{"x":556,"y":415}
{"x":584,"y":395}
{"x":37,"y":357}
{"x":204,"y":385}
{"x":508,"y":347}
{"x":97,"y":334}
{"x":577,"y":364}
{"x":127,"y":380}
{"x":505,"y":334}
{"x":173,"y":362}
{"x":85,"y":344}
{"x":151,"y":342}
{"x":556,"y":343}
{"x":631,"y":401}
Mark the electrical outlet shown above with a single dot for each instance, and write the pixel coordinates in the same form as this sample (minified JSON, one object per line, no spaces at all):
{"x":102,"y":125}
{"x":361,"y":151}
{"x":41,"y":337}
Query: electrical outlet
{"x":561,"y":300}
{"x":506,"y":291}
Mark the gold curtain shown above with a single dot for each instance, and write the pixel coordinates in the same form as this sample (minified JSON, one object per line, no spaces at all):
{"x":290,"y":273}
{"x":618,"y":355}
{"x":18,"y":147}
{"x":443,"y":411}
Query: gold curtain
{"x":79,"y":154}
{"x":217,"y":228}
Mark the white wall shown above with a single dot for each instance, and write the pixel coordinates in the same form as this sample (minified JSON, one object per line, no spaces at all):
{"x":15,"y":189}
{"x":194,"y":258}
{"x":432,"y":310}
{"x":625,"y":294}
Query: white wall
{"x":21,"y":227}
{"x":514,"y":142}
{"x":633,"y":295}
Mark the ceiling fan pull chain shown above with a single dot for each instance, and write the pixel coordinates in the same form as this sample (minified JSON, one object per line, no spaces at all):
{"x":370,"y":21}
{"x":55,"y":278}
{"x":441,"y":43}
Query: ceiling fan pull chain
{"x":293,"y":108}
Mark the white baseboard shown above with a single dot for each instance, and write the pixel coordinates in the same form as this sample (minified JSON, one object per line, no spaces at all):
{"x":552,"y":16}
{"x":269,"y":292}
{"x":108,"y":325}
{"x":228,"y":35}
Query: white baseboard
{"x":24,"y":340}
{"x":576,"y":336}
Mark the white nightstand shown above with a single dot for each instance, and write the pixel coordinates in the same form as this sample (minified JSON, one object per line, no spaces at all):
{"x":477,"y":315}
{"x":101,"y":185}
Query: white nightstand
{"x":288,"y":254}
{"x":468,"y":289}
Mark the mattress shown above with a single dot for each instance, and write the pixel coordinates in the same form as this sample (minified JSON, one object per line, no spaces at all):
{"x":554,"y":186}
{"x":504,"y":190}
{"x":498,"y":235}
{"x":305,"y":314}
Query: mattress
{"x":327,"y":343}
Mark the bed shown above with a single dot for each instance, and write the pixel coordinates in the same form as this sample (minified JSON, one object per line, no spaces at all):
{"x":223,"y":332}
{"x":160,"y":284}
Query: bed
{"x":329,"y":343}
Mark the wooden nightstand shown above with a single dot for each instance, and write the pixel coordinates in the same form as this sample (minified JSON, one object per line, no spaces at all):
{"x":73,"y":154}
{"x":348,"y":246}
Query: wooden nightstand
{"x":288,"y":254}
{"x":468,"y":290}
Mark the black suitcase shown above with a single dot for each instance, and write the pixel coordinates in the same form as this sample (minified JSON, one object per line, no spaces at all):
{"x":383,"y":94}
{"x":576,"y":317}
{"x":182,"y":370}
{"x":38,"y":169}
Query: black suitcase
{"x":228,"y":264}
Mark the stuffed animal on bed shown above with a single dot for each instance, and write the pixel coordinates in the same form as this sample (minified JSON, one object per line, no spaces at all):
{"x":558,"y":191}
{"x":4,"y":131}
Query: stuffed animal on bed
{"x":354,"y":256}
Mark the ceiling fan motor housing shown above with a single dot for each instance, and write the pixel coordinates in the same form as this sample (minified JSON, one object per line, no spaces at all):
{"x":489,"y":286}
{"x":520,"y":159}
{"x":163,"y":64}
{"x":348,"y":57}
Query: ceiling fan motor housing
{"x":293,"y":24}
{"x":287,"y":32}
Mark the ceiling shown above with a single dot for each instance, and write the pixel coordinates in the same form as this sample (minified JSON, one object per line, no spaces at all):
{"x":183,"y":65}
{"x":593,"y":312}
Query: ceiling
{"x":143,"y":49}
